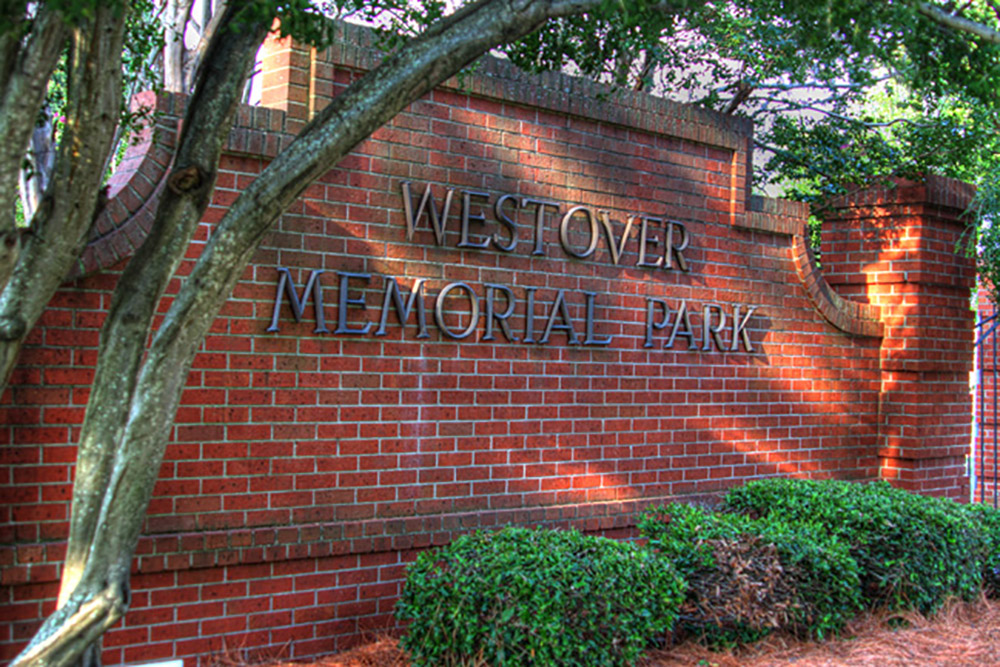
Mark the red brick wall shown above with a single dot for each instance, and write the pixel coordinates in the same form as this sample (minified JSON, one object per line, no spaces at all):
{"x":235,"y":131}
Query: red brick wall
{"x":987,"y":407}
{"x":900,"y":250}
{"x":307,"y":468}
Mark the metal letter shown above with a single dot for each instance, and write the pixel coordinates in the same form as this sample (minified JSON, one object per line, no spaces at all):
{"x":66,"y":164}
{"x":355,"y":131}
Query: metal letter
{"x":559,"y":307}
{"x":439,"y":220}
{"x":507,"y":222}
{"x":707,"y":328}
{"x":617,"y":248}
{"x":651,"y":304}
{"x":313,"y":285}
{"x":590,"y":339}
{"x":439,"y":311}
{"x":468,"y":217}
{"x":676,"y":249}
{"x":683,"y":318}
{"x":644,"y":240}
{"x":343,"y":302}
{"x":564,"y":232}
{"x":540,"y":205}
{"x":529,"y":315}
{"x":739,"y":329}
{"x":491,"y":313}
{"x":415,"y":296}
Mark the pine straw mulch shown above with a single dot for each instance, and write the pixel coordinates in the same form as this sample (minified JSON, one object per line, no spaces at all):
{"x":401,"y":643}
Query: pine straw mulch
{"x":962,"y":634}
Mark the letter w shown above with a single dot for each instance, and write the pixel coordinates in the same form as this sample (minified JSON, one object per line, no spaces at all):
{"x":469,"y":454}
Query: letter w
{"x":287,"y":285}
{"x":439,"y":219}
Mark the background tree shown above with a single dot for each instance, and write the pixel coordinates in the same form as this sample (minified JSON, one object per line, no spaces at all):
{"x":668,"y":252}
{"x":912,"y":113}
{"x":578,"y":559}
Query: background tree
{"x":738,"y":56}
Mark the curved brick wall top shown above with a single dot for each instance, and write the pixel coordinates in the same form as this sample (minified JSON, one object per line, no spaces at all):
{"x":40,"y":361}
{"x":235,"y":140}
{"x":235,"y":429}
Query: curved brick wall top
{"x":135,"y":187}
{"x":781,"y":216}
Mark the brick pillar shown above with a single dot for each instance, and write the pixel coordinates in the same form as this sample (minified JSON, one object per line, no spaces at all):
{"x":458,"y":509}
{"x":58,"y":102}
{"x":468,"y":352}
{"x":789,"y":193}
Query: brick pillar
{"x":286,"y":78}
{"x":896,"y":249}
{"x":985,"y":397}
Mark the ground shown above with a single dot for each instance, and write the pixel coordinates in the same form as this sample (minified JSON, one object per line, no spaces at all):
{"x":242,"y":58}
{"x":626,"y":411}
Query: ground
{"x":962,"y":634}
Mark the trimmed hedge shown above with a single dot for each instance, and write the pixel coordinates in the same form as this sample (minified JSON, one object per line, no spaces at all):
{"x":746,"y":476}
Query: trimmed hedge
{"x":746,"y":577}
{"x":914,"y":551}
{"x":536,"y":597}
{"x":988,"y":520}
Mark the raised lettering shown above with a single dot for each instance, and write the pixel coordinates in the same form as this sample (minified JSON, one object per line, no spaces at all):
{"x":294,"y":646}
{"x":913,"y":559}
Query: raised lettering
{"x":590,"y":338}
{"x":616,"y":246}
{"x":559,"y":308}
{"x":708,"y":332}
{"x":415,"y":297}
{"x":439,"y":219}
{"x":501,"y":318}
{"x":564,"y":232}
{"x":286,"y":285}
{"x":469,"y":217}
{"x":439,"y":311}
{"x":343,"y":301}
{"x":540,"y":206}
{"x":645,"y":241}
{"x":676,"y":248}
{"x":651,"y":323}
{"x":507,"y":222}
{"x":739,"y":329}
{"x":529,"y":315}
{"x":683,"y":320}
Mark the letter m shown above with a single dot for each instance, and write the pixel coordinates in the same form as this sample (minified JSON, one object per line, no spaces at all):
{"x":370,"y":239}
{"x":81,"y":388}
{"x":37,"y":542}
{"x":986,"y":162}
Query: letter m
{"x":287,"y":285}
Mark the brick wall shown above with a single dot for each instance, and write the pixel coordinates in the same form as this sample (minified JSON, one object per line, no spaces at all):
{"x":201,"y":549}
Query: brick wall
{"x":308,"y":466}
{"x":987,"y":406}
{"x":900,"y":250}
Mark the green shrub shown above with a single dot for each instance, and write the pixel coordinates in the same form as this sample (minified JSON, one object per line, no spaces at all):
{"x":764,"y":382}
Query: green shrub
{"x":746,"y":577}
{"x":914,"y":551}
{"x":988,"y":521}
{"x":536,"y":597}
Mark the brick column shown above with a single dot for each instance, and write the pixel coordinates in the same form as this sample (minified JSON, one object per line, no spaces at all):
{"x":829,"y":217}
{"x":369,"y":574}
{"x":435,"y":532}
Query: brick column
{"x":896,"y":248}
{"x":286,"y":78}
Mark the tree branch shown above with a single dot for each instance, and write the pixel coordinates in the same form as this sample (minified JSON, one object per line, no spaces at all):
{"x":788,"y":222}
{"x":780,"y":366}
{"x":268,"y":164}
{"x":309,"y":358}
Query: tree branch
{"x":103,"y":449}
{"x":959,"y":23}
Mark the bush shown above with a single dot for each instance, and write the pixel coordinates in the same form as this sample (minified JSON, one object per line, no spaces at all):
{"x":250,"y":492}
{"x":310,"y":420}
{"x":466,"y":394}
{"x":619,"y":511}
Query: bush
{"x":988,"y":521}
{"x":914,"y":551}
{"x":746,"y":577}
{"x":536,"y":597}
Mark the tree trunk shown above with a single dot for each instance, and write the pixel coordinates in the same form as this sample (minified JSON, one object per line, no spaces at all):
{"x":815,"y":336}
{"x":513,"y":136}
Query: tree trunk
{"x":25,"y":68}
{"x":136,"y":391}
{"x":114,"y":475}
{"x":73,"y":195}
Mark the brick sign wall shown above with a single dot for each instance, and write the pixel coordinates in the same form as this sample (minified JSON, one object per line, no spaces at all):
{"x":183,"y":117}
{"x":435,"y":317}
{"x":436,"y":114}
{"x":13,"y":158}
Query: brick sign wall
{"x":523,"y":301}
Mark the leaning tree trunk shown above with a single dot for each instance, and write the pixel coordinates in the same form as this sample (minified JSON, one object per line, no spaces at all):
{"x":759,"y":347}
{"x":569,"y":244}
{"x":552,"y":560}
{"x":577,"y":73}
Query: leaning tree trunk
{"x":108,"y":506}
{"x":136,"y":391}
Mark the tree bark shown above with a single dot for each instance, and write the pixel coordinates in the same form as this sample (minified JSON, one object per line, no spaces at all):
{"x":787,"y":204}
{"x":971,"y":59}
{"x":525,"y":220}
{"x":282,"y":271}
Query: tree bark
{"x":108,"y":502}
{"x":136,"y":391}
{"x":26,"y":68}
{"x":72,"y":198}
{"x":176,"y":18}
{"x":959,"y":23}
